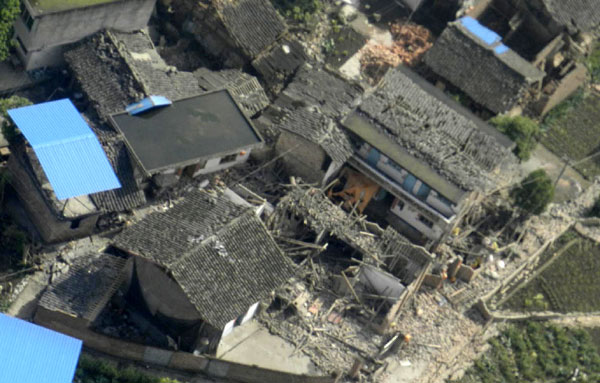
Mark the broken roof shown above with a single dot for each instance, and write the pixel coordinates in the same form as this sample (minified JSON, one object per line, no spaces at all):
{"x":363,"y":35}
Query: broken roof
{"x":318,"y":87}
{"x":576,"y":15}
{"x":491,"y":74}
{"x":431,"y":136}
{"x":280,"y":61}
{"x":191,"y":129}
{"x":320,"y":214}
{"x":86,"y":287}
{"x":220,"y":254}
{"x":252,"y":24}
{"x":40,"y":7}
{"x":245,"y":89}
{"x":116,"y":69}
{"x":310,"y":124}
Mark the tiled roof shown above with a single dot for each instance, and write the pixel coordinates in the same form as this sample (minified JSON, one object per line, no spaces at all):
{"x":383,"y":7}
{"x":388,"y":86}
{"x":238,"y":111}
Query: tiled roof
{"x":433,"y":129}
{"x":218,"y":252}
{"x":320,"y":129}
{"x":116,"y":69}
{"x":163,"y":237}
{"x":85,"y":288}
{"x":577,"y":15}
{"x":245,"y":89}
{"x":231,"y":270}
{"x":280,"y":61}
{"x":317,"y":87}
{"x":495,"y":80}
{"x":129,"y":195}
{"x":252,"y":24}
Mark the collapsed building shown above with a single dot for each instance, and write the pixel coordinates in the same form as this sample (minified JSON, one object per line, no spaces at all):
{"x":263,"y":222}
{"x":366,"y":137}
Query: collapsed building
{"x":355,"y":278}
{"x":202,"y":267}
{"x":242,"y":32}
{"x":420,"y":158}
{"x":517,"y":54}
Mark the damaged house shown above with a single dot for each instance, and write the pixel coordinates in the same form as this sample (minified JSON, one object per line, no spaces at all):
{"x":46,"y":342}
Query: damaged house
{"x":195,"y":132}
{"x":420,"y":158}
{"x":489,"y":54}
{"x":45,"y":28}
{"x":473,"y":59}
{"x":242,"y":32}
{"x":65,"y":180}
{"x":202,"y":267}
{"x":304,"y":122}
{"x":375,"y":266}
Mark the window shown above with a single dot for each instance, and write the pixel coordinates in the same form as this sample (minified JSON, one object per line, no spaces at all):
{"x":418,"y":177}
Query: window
{"x":399,"y":204}
{"x":21,"y":45}
{"x":75,"y":223}
{"x":229,"y":158}
{"x":423,"y":192}
{"x":425,"y":221}
{"x":27,"y":19}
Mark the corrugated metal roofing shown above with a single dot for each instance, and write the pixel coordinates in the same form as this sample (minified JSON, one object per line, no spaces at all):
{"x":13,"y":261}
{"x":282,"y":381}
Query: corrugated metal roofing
{"x":67,"y":148}
{"x":147,"y":104}
{"x":484,"y":34}
{"x":34,"y":354}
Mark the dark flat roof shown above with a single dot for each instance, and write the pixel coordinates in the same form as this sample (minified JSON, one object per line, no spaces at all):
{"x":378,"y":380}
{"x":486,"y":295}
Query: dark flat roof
{"x":191,"y":129}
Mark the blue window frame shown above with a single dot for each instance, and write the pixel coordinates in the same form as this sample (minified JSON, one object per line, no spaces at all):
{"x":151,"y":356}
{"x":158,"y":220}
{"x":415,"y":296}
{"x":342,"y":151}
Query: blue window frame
{"x":423,"y":192}
{"x":409,"y":183}
{"x":373,"y":157}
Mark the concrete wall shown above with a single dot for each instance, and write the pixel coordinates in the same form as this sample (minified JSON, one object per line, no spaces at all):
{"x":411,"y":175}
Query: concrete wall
{"x":177,"y":360}
{"x":408,"y":213}
{"x":216,"y":164}
{"x":53,"y":29}
{"x":46,"y":222}
{"x":304,"y":158}
{"x":162,"y":294}
{"x":566,"y":87}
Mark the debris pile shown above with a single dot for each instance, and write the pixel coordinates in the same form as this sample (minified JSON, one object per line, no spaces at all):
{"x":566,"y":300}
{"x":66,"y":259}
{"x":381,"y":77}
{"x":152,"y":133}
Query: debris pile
{"x":411,"y":41}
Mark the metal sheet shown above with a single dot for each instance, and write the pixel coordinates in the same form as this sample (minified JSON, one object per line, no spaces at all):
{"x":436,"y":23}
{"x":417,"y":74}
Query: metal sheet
{"x":66,"y":147}
{"x":147,"y":104}
{"x":34,"y":354}
{"x":483,"y":33}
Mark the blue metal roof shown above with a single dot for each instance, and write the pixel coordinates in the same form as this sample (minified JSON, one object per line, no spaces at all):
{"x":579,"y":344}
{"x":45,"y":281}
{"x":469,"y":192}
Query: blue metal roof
{"x":501,"y":48}
{"x":33,"y":354}
{"x":67,"y":148}
{"x":483,"y":33}
{"x":147,"y":104}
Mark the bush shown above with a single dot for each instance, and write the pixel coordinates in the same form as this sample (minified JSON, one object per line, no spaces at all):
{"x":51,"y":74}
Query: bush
{"x":9,"y":131}
{"x":300,"y":11}
{"x":9,"y":9}
{"x":534,"y":192}
{"x":91,"y":370}
{"x":522,"y":130}
{"x":593,"y":63}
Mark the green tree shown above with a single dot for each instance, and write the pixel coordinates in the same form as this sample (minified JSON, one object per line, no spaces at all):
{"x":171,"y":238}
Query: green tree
{"x":534,"y":192}
{"x":522,"y":130}
{"x":9,"y":131}
{"x":9,"y":9}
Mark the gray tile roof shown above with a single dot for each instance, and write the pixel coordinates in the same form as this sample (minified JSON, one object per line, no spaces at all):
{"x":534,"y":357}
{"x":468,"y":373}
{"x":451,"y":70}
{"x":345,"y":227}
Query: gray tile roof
{"x":318,"y":87}
{"x":280,"y":61}
{"x":496,"y":81}
{"x":129,"y":195}
{"x":252,"y":24}
{"x":245,"y":89}
{"x":115,"y":69}
{"x":310,"y":124}
{"x":431,"y":128}
{"x":219,"y":253}
{"x":86,"y":287}
{"x":576,"y":15}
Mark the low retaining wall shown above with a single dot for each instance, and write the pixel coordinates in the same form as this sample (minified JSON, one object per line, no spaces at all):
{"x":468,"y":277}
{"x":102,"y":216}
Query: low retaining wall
{"x":177,"y":360}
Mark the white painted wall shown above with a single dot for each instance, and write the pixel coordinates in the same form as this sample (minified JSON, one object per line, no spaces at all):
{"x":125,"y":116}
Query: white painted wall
{"x":383,"y":283}
{"x":250,"y":314}
{"x":215,"y":165}
{"x":411,"y":216}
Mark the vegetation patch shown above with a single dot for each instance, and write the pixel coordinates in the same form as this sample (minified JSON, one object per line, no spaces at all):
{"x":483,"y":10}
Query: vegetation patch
{"x":593,"y":63}
{"x":534,"y":192}
{"x":522,"y":130}
{"x":537,"y":353}
{"x":341,"y":44}
{"x":569,"y":284}
{"x":573,"y":130}
{"x":299,"y":11}
{"x":90,"y":370}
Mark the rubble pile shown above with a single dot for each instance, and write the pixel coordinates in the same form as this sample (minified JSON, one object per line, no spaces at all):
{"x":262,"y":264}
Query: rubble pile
{"x":411,"y":41}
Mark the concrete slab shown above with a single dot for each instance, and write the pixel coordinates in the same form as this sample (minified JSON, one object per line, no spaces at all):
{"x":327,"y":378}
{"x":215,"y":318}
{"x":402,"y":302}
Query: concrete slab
{"x":252,"y":344}
{"x":399,"y":371}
